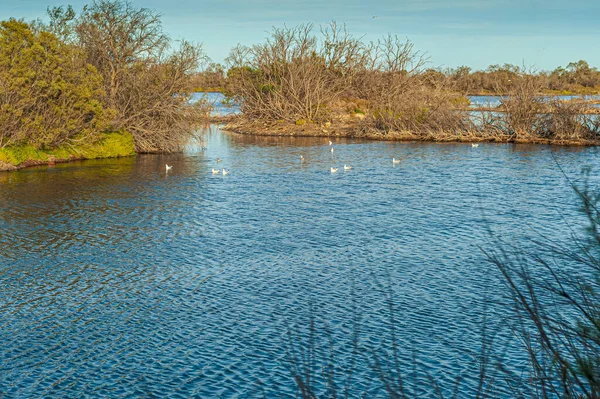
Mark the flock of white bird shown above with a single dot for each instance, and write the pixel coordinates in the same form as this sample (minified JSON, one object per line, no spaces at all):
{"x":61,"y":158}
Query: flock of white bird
{"x":348,"y":167}
{"x":225,"y":172}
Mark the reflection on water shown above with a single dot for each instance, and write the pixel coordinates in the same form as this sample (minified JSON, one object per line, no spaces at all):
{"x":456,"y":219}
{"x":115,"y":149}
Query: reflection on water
{"x":124,"y":281}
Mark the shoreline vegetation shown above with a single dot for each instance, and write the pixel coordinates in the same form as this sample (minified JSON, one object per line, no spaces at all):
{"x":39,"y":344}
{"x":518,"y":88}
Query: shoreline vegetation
{"x":353,"y":130}
{"x":111,"y":68}
{"x":111,"y":145}
{"x":109,"y":83}
{"x":323,"y":82}
{"x":74,"y":85}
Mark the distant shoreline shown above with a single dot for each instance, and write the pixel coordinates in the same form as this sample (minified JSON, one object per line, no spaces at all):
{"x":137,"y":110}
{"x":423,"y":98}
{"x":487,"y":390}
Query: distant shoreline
{"x":355,"y":130}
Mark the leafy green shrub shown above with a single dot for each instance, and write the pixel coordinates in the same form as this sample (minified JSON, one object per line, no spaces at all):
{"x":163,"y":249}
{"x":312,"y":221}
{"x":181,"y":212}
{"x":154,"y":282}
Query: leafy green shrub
{"x":50,"y":94}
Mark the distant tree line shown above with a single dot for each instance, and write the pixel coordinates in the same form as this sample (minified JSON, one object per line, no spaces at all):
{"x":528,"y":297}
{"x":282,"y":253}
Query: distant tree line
{"x":110,"y":67}
{"x":576,"y":78}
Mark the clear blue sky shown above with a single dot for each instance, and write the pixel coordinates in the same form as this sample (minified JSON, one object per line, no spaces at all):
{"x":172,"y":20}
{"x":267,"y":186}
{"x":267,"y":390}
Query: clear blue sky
{"x":540,"y":34}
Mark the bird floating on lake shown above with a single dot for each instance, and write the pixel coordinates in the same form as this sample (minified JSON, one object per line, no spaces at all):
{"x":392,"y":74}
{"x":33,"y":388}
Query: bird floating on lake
{"x":168,"y":168}
{"x":395,"y":161}
{"x":218,"y":160}
{"x":347,"y":167}
{"x":332,"y":150}
{"x":215,"y":171}
{"x":333,"y":170}
{"x":301,"y":157}
{"x":226,"y":172}
{"x":474,"y":145}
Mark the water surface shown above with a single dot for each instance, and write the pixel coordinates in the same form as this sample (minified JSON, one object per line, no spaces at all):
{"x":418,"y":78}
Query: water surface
{"x":119,"y":280}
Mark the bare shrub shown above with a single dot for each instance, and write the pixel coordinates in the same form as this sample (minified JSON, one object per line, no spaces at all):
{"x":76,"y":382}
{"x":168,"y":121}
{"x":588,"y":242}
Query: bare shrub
{"x":522,"y":108}
{"x":147,"y":81}
{"x":408,"y":103}
{"x":296,"y":75}
{"x":570,"y":121}
{"x":524,"y":114}
{"x":293,"y":75}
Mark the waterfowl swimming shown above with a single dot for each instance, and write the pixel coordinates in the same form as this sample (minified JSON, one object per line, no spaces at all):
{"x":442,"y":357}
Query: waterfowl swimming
{"x":218,"y":160}
{"x":347,"y":167}
{"x":215,"y":171}
{"x":333,"y":170}
{"x":332,"y":150}
{"x":301,"y":157}
{"x":168,"y":168}
{"x":395,"y":161}
{"x":474,"y":145}
{"x":226,"y":172}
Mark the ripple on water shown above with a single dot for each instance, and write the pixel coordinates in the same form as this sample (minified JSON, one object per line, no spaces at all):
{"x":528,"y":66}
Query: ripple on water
{"x":121,"y":281}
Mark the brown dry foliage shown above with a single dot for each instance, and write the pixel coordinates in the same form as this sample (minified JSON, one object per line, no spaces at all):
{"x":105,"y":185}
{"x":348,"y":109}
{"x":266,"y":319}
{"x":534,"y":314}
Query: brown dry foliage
{"x":299,"y":75}
{"x":293,"y":75}
{"x":332,"y":76}
{"x":525,"y":115}
{"x":147,"y":82}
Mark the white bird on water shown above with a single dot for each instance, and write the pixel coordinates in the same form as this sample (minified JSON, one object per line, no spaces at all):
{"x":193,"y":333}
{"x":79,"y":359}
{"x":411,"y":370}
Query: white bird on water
{"x":474,"y":145}
{"x":333,"y":170}
{"x":347,"y":167}
{"x":332,"y":150}
{"x":168,"y":168}
{"x":226,"y":172}
{"x":395,"y":161}
{"x":215,"y":171}
{"x":330,"y":143}
{"x":301,"y":157}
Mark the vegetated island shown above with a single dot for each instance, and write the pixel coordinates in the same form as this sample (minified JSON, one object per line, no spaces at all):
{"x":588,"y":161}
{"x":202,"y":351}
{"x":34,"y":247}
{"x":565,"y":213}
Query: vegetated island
{"x":333,"y":84}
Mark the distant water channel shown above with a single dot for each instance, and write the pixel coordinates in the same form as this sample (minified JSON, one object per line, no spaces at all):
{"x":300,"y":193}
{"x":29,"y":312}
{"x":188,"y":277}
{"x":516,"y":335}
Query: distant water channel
{"x":119,"y":280}
{"x":222,"y":107}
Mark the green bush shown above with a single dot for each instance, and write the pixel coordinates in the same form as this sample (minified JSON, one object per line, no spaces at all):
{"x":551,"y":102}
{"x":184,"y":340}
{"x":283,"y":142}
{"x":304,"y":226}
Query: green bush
{"x":50,"y":94}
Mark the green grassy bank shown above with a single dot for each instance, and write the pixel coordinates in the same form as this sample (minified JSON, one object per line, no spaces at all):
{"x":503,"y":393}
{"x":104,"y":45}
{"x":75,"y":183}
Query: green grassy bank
{"x":112,"y":145}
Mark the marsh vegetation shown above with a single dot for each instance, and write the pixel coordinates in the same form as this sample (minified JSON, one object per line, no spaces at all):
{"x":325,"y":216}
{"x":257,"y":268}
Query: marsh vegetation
{"x":329,"y":81}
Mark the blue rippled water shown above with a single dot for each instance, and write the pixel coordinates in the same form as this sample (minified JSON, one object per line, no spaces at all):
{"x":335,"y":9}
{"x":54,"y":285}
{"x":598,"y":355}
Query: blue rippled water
{"x":119,"y":280}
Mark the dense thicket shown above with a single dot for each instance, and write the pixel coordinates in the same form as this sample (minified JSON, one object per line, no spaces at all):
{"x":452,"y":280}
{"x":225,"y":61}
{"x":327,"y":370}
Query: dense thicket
{"x":49,"y":95}
{"x":109,"y":68}
{"x":297,"y":74}
{"x":383,"y":88}
{"x":147,"y":81}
